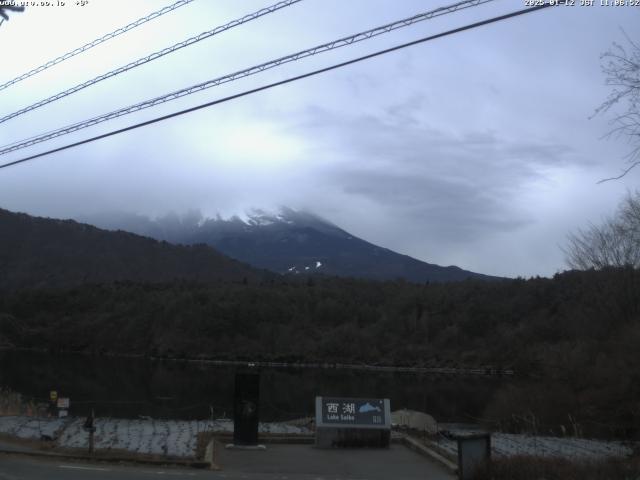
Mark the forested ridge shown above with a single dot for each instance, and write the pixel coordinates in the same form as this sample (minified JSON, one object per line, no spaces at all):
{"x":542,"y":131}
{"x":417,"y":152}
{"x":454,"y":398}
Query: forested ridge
{"x":44,"y":252}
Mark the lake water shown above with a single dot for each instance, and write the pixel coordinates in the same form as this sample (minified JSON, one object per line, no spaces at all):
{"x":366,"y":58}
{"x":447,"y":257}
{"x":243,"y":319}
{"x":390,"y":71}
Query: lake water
{"x":130,"y":387}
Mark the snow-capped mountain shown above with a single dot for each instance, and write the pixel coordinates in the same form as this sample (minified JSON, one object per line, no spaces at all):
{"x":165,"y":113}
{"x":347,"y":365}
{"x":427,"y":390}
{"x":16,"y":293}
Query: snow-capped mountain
{"x":287,"y":242}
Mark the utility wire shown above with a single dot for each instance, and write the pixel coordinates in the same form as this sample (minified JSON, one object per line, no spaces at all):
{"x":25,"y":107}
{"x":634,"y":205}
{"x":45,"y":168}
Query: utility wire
{"x":153,"y":56}
{"x":97,"y":41}
{"x":341,"y":42}
{"x":283,"y":82}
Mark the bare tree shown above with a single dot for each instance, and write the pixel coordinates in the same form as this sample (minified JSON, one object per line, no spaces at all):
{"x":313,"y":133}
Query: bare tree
{"x":621,"y":67}
{"x":615,"y":243}
{"x":11,"y":8}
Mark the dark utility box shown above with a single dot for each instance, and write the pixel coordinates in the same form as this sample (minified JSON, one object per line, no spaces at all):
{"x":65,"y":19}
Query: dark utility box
{"x":474,"y":450}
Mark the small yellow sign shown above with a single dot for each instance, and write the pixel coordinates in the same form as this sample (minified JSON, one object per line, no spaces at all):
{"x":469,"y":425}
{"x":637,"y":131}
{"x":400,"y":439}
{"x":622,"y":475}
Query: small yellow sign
{"x":53,"y":395}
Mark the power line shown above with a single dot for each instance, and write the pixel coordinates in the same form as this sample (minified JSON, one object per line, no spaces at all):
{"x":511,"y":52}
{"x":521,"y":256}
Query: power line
{"x":97,"y":41}
{"x":153,"y":56}
{"x":341,"y":42}
{"x":283,"y":82}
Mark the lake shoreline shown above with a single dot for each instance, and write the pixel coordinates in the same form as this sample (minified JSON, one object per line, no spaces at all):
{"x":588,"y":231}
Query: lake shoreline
{"x":479,"y":371}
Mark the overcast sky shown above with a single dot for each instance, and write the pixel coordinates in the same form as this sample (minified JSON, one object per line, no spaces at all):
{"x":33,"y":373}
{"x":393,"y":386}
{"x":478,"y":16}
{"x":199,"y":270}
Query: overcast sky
{"x":474,"y":150}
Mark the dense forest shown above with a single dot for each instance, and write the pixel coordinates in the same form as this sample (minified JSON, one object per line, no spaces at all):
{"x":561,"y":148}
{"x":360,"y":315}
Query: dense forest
{"x":576,"y":334}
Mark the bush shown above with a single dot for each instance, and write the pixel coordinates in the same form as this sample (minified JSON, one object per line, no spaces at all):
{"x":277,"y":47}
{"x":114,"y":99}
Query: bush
{"x":536,"y":468}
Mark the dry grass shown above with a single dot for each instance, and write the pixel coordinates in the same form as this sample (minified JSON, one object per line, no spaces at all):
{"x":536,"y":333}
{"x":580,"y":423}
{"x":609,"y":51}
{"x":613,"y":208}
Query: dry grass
{"x":536,"y":468}
{"x":12,"y":403}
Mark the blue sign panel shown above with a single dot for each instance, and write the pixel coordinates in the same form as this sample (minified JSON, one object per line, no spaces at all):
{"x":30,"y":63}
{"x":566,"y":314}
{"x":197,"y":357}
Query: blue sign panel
{"x":356,"y":411}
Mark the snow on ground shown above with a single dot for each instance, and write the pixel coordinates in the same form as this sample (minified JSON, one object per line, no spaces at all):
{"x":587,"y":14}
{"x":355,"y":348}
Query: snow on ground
{"x":506,"y":444}
{"x":175,"y":438}
{"x":178,"y":438}
{"x":31,"y":427}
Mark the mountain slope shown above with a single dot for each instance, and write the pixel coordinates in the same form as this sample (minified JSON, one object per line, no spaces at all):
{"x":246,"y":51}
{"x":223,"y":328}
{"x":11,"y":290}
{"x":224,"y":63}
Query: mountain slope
{"x":290,"y":241}
{"x":43,"y":252}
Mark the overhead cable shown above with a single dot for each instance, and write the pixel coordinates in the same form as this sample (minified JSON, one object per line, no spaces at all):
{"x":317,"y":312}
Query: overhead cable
{"x":97,"y":41}
{"x":281,"y":82}
{"x":154,"y":56}
{"x":341,"y":42}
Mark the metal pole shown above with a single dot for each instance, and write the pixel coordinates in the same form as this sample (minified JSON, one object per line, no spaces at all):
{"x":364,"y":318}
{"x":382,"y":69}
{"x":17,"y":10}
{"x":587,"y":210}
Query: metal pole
{"x":92,"y":429}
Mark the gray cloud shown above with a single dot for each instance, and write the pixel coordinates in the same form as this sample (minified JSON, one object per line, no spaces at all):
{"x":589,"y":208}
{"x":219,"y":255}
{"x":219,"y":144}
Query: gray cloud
{"x":460,"y":185}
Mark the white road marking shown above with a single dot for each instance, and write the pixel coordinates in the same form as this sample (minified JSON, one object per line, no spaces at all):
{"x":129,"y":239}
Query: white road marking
{"x":76,"y":467}
{"x":163,"y":472}
{"x":98,"y":469}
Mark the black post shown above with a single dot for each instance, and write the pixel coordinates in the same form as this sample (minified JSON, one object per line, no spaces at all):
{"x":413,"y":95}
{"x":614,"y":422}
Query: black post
{"x":88,"y":425}
{"x":246,"y":409}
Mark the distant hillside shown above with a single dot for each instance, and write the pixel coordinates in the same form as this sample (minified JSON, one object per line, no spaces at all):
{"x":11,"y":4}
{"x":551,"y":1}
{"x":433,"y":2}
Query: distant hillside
{"x":288,"y":242}
{"x":43,"y":252}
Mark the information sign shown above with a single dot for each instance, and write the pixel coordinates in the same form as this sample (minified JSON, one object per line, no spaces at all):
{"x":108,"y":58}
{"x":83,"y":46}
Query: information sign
{"x":353,"y":422}
{"x":353,"y":411}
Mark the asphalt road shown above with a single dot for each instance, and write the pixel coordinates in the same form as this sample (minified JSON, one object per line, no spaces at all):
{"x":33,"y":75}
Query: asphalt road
{"x":278,"y":462}
{"x":304,"y":461}
{"x":17,"y":467}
